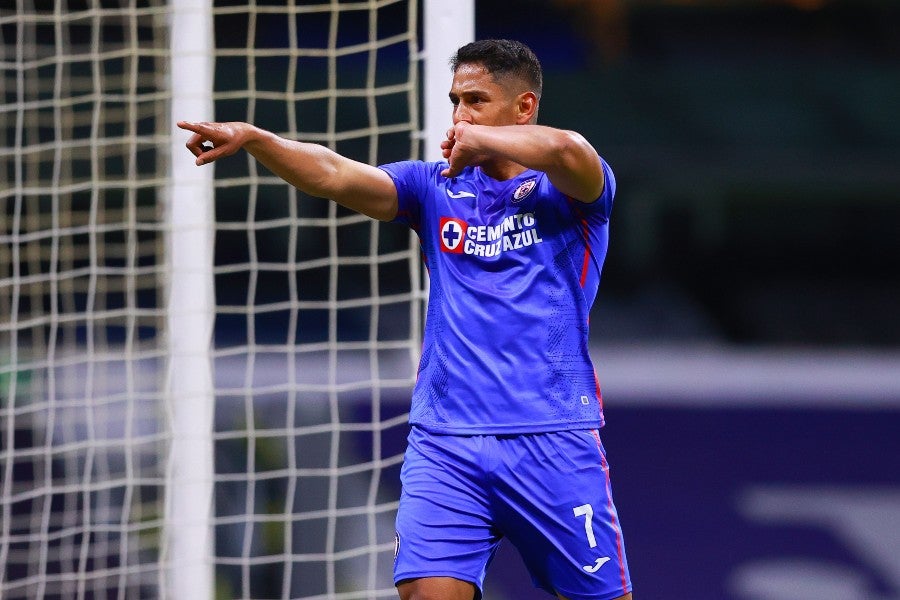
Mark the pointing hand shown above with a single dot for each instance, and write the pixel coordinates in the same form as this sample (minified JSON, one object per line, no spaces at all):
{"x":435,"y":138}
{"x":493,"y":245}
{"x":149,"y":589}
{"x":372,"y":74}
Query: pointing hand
{"x":212,"y":141}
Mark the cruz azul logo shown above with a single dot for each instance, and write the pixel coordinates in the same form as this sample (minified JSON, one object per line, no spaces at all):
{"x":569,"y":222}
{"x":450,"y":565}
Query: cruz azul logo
{"x":452,"y":233}
{"x":523,"y":190}
{"x":512,"y":233}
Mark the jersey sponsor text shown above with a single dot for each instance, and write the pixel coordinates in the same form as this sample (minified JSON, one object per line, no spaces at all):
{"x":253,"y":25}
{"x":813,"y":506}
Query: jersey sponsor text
{"x":513,"y":233}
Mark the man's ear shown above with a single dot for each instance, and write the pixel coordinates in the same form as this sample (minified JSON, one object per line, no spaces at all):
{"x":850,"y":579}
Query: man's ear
{"x":526,"y":108}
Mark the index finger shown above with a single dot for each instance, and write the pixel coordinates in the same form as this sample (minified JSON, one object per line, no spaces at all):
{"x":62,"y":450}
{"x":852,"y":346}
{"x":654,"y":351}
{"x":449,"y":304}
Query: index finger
{"x":191,"y":126}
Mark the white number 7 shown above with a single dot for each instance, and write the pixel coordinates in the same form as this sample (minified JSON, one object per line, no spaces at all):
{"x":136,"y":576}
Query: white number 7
{"x":587,"y":512}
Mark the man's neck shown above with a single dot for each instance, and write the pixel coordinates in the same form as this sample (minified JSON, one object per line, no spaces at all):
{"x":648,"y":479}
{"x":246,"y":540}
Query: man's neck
{"x":502,"y":170}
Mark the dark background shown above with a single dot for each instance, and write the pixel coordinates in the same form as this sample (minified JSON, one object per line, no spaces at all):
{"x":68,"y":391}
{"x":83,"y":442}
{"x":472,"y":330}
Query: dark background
{"x":757,"y":151}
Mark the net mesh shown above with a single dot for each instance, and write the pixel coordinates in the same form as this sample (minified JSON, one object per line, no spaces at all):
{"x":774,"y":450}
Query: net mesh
{"x":80,"y":304}
{"x":317,"y":316}
{"x":316,"y":306}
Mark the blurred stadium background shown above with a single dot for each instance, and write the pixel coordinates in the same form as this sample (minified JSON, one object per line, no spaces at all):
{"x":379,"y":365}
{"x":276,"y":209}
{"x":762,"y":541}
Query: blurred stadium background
{"x":745,"y":333}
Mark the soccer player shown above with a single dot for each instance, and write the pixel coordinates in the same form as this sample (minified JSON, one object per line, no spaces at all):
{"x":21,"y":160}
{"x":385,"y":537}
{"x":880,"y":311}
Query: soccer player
{"x":506,"y":409}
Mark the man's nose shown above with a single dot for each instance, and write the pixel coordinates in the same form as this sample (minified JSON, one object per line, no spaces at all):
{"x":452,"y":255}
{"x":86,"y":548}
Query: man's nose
{"x":461,"y":113}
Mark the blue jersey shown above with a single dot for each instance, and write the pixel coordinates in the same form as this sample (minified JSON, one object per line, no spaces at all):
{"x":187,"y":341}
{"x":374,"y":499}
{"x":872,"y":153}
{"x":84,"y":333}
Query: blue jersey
{"x":514,"y":268}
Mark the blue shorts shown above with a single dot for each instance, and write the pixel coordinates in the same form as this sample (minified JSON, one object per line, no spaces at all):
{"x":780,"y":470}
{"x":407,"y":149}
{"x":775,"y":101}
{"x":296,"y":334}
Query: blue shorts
{"x":548,"y":493}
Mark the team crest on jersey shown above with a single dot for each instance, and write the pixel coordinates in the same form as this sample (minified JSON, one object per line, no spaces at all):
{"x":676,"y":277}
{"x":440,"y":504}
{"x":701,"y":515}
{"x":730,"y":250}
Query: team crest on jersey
{"x":453,"y":232}
{"x":523,"y":190}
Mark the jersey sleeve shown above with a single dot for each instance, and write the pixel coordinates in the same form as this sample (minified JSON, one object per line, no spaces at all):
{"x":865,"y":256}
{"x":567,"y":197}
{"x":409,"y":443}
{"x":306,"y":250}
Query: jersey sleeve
{"x":410,"y":178}
{"x":602,"y":206}
{"x":594,"y":219}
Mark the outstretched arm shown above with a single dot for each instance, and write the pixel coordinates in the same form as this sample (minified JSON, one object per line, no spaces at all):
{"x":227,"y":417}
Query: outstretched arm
{"x":311,"y":168}
{"x":569,"y":161}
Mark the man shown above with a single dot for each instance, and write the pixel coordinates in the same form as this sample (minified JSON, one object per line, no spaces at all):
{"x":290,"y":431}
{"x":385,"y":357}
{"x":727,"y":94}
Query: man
{"x":506,"y":409}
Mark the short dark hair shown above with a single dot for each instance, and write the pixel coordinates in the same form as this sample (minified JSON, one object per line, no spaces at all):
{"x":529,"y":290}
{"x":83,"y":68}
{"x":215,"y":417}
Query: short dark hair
{"x":503,"y":57}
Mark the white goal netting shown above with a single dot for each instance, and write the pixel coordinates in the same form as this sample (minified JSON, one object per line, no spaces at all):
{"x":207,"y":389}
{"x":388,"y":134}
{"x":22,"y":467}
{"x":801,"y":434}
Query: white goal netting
{"x":316,"y":309}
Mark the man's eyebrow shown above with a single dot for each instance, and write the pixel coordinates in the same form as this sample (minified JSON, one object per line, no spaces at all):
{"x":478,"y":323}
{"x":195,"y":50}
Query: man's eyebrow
{"x":468,"y":93}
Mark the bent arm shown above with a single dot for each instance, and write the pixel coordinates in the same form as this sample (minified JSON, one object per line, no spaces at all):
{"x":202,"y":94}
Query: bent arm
{"x":311,"y":168}
{"x":569,"y":161}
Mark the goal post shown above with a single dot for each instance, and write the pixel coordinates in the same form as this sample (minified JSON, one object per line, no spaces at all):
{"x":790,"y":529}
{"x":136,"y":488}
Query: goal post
{"x":188,"y":535}
{"x":204,"y":374}
{"x":449,"y":24}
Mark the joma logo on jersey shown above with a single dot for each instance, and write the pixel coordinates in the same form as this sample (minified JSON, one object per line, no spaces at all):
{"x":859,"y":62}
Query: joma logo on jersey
{"x":453,"y":232}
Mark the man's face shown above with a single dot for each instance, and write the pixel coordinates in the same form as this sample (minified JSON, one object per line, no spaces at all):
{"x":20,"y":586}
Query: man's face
{"x":479,"y":99}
